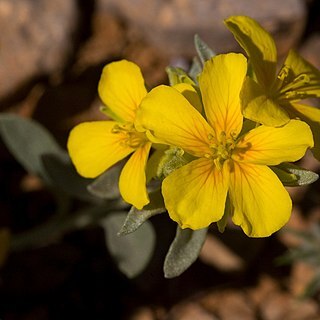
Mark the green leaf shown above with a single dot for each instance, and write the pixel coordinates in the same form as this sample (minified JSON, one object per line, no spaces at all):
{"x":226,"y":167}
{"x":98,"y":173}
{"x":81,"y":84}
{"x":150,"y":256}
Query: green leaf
{"x":28,"y":141}
{"x":183,"y":251}
{"x":203,"y":50}
{"x":64,"y":176}
{"x":172,"y":159}
{"x":292,"y":175}
{"x":106,"y":185}
{"x":136,"y":218}
{"x":177,"y":75}
{"x":132,"y":252}
{"x":195,"y":69}
{"x":55,"y":228}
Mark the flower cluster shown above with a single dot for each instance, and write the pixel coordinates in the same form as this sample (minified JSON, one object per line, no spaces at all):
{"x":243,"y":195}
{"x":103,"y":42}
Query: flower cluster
{"x":220,"y":141}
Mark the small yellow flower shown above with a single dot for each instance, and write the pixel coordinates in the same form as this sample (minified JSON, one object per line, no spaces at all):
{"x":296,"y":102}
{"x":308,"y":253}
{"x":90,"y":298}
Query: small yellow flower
{"x":227,"y":165}
{"x":270,"y":98}
{"x":96,"y":146}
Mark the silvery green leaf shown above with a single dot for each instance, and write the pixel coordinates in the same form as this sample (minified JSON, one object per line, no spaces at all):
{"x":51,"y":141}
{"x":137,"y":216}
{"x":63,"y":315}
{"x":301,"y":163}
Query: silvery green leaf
{"x":183,"y":251}
{"x":55,"y":228}
{"x":64,"y":176}
{"x":172,"y":159}
{"x":203,"y":50}
{"x":195,"y":69}
{"x":106,"y":185}
{"x":136,"y":218}
{"x":132,"y":252}
{"x":177,"y":75}
{"x":28,"y":141}
{"x":292,"y":175}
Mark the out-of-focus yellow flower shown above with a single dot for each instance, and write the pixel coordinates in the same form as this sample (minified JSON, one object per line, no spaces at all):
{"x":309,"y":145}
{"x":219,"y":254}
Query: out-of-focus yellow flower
{"x":96,"y":146}
{"x":273,"y":98}
{"x":228,"y":165}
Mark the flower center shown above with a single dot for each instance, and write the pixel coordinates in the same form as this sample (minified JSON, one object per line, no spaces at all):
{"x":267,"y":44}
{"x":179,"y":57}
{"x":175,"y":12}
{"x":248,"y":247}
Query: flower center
{"x":221,"y":148}
{"x":132,"y":137}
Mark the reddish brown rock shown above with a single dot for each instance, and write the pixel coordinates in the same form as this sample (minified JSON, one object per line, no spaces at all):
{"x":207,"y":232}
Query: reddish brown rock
{"x":190,"y":311}
{"x":171,"y":25}
{"x":228,"y":305}
{"x":310,"y":49}
{"x":35,"y":39}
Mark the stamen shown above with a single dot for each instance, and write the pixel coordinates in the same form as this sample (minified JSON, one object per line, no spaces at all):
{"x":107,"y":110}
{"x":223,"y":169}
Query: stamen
{"x":132,"y":138}
{"x":283,"y":73}
{"x":222,"y":149}
{"x":298,"y":83}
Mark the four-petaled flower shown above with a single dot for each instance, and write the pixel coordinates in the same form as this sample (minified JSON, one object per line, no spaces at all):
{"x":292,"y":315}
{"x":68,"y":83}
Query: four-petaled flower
{"x":270,"y":98}
{"x":228,"y":165}
{"x":96,"y":146}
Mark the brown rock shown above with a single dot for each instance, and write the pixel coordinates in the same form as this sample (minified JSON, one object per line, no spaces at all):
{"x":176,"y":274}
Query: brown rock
{"x":143,"y":313}
{"x":171,"y":25}
{"x":189,"y":311}
{"x":108,"y":39}
{"x":35,"y":39}
{"x":229,"y":305}
{"x":301,"y":275}
{"x":266,"y":287}
{"x":310,"y":49}
{"x":282,"y":306}
{"x":296,"y":222}
{"x":215,"y":253}
{"x":112,"y":39}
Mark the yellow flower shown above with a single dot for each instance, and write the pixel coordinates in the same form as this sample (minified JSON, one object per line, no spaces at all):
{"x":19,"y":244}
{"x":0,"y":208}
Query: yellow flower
{"x":228,"y":164}
{"x":96,"y":146}
{"x":270,"y":98}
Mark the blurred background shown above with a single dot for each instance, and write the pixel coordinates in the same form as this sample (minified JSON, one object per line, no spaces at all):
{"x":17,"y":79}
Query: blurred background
{"x":51,"y":57}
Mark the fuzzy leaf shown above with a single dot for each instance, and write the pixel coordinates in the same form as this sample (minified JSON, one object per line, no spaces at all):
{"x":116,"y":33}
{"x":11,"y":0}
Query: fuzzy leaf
{"x":64,"y":176}
{"x":177,"y":75}
{"x":292,"y":175}
{"x":106,"y":185}
{"x":132,"y":252}
{"x":183,"y":251}
{"x":203,"y":50}
{"x":28,"y":141}
{"x":172,"y":159}
{"x":136,"y":218}
{"x":195,"y":69}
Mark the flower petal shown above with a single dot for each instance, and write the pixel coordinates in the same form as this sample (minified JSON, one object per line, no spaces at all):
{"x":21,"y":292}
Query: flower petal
{"x":195,"y":194}
{"x":271,"y":146}
{"x":261,"y":203}
{"x":190,"y":93}
{"x":259,"y":108}
{"x":121,"y":88}
{"x":311,"y":116}
{"x":132,"y":181}
{"x":94,"y":148}
{"x":171,"y":119}
{"x":220,"y":85}
{"x":259,"y":46}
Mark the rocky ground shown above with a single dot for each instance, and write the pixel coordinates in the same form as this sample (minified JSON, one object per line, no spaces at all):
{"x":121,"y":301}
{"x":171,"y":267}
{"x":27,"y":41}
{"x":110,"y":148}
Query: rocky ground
{"x":51,"y":57}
